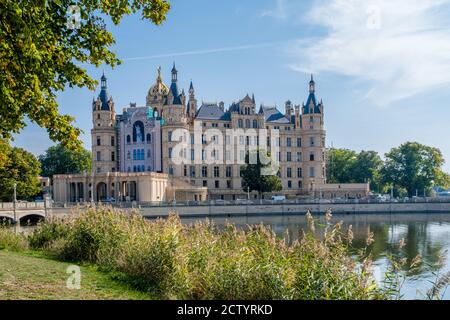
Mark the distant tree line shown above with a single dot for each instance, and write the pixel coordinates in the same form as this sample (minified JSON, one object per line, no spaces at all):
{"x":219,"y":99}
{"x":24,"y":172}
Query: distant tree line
{"x":410,"y":168}
{"x":20,"y":167}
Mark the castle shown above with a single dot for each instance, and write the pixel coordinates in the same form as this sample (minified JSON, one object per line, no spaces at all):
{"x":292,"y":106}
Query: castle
{"x":173,"y":149}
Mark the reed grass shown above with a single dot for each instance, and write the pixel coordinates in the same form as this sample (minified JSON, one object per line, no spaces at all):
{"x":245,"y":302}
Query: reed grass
{"x":201,"y":261}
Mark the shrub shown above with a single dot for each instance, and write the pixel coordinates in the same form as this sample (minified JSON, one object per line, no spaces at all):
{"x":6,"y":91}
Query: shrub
{"x":200,"y":261}
{"x":9,"y":240}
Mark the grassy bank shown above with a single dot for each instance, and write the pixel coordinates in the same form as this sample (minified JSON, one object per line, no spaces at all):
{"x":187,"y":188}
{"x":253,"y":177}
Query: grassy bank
{"x":169,"y":260}
{"x":32,"y":276}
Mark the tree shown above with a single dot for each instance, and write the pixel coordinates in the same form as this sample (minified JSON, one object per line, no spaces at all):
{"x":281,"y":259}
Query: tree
{"x":348,"y":166}
{"x":60,"y":160}
{"x":260,"y":174}
{"x":367,"y":168}
{"x":20,"y":167}
{"x":413,"y":166}
{"x":43,"y":47}
{"x":340,"y":165}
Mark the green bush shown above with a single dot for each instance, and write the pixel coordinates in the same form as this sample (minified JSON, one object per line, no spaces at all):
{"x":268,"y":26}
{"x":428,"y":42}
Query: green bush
{"x":199,"y":261}
{"x":9,"y":240}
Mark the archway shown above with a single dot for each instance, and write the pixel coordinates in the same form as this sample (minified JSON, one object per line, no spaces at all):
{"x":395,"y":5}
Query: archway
{"x":101,"y":191}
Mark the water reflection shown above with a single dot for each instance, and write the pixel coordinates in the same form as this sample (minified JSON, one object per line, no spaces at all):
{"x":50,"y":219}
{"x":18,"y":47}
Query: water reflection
{"x":424,"y":234}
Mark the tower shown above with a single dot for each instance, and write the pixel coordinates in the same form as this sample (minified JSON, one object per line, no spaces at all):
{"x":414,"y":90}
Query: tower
{"x":104,"y":134}
{"x":192,"y":103}
{"x":313,"y":137}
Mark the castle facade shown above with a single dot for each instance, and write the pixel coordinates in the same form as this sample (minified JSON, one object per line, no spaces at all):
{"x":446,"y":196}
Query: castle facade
{"x":173,"y":148}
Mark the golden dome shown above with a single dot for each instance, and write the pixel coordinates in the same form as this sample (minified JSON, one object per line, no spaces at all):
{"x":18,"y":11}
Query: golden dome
{"x":159,"y":88}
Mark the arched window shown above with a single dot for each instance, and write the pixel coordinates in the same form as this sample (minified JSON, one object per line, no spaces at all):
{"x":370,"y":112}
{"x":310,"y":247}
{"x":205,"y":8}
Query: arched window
{"x":138,"y":131}
{"x":149,"y":138}
{"x":255,"y":124}
{"x":128,"y":139}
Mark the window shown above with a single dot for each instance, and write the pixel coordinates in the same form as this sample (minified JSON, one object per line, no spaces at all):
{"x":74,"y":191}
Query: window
{"x":128,"y":139}
{"x":229,"y":172}
{"x":170,"y":153}
{"x":288,"y":142}
{"x":247,"y":140}
{"x":312,"y":172}
{"x":99,"y":170}
{"x":149,"y":153}
{"x":99,"y":156}
{"x":185,"y":170}
{"x":169,"y":136}
{"x":289,"y":172}
{"x":113,"y":158}
{"x":192,"y":171}
{"x":289,"y":184}
{"x":216,"y":184}
{"x":171,"y":170}
{"x":242,"y":155}
{"x":228,"y":184}
{"x":204,"y":171}
{"x":240,"y":123}
{"x":288,"y":156}
{"x":311,"y":141}
{"x":227,"y":155}
{"x":311,"y":119}
{"x":255,"y":124}
{"x":311,"y":157}
{"x":205,"y":183}
{"x":113,"y":141}
{"x":203,"y":154}
{"x":134,"y":155}
{"x":299,"y":173}
{"x":299,"y":142}
{"x":216,"y":172}
{"x":192,"y":139}
{"x":192,"y":154}
{"x":98,"y":141}
{"x":203,"y":139}
{"x":300,"y":185}
{"x":149,"y":138}
{"x":227,"y":139}
{"x":247,"y":123}
{"x":299,"y":156}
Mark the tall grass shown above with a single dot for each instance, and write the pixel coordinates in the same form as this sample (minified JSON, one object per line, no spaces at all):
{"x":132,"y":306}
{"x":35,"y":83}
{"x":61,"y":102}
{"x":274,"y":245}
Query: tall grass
{"x":12,"y":241}
{"x":199,"y":261}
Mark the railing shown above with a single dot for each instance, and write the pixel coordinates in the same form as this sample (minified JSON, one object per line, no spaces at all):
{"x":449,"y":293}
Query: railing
{"x":241,"y":202}
{"x":21,"y":205}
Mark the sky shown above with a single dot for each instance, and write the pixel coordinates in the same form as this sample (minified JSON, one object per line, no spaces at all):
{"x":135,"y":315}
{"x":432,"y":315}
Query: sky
{"x":382,"y":67}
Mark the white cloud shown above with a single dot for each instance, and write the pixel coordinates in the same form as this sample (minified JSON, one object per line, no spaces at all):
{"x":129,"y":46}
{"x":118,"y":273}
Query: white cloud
{"x":398,"y":48}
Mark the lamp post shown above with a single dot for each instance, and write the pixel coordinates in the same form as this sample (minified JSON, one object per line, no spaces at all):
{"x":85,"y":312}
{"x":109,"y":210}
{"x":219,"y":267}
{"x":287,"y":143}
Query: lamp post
{"x":14,"y":202}
{"x":248,"y":193}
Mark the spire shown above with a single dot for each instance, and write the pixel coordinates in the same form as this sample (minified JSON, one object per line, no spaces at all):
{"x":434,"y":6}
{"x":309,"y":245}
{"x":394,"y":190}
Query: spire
{"x":174,"y":73}
{"x":104,"y":95}
{"x":253,"y":97}
{"x":312,"y":85}
{"x":103,"y":81}
{"x":191,"y":89}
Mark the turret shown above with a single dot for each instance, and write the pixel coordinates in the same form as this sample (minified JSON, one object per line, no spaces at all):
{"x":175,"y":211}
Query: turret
{"x":192,"y":103}
{"x":104,"y":136}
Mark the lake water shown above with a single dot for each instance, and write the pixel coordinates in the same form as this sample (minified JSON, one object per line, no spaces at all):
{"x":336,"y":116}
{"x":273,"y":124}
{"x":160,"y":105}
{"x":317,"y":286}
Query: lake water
{"x":425,"y":234}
